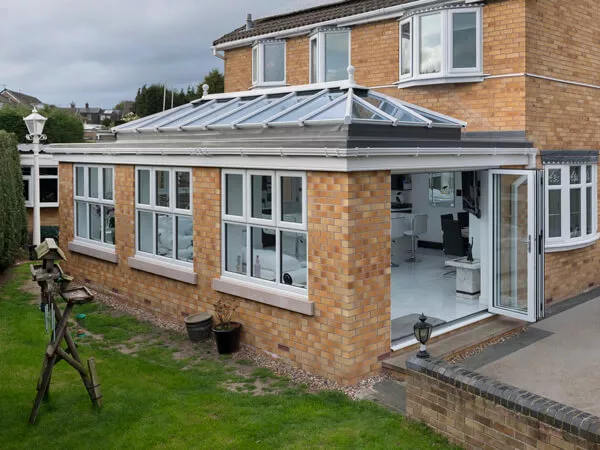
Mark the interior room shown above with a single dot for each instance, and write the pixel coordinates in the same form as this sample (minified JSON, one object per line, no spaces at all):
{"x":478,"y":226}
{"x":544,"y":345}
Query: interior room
{"x":436,"y":269}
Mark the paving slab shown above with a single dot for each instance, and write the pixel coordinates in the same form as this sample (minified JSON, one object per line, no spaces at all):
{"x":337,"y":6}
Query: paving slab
{"x":560,"y":359}
{"x":389,"y":393}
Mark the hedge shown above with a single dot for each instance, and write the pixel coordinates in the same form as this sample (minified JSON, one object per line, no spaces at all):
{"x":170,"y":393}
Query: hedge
{"x":13,"y":217}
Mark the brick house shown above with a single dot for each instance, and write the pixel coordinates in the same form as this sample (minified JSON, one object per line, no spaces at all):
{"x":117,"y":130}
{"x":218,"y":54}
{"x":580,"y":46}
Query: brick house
{"x":299,"y":191}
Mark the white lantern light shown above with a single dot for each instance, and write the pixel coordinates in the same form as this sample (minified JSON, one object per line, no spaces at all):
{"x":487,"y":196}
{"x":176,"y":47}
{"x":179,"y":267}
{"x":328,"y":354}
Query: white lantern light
{"x":35,"y":123}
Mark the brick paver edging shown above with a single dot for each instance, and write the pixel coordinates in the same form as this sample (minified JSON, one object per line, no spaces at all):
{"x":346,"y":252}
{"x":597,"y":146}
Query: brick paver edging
{"x":553,"y":413}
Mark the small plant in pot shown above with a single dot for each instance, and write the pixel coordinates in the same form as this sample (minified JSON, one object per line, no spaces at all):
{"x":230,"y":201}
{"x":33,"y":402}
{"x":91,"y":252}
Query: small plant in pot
{"x":227,"y":332}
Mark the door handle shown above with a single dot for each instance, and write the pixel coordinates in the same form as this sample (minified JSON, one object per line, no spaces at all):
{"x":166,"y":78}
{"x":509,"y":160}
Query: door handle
{"x":529,"y":244}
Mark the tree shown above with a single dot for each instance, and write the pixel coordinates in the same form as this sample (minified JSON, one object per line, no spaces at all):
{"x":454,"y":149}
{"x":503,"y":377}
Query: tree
{"x":13,"y":218}
{"x":215,"y":81}
{"x":62,"y":126}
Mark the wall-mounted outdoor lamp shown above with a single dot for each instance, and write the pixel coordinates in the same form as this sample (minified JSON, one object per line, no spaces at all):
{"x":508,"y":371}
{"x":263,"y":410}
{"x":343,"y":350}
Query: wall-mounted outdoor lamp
{"x":422,"y":331}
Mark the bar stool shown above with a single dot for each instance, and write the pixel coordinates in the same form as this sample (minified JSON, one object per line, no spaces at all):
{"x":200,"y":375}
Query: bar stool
{"x":419,"y":227}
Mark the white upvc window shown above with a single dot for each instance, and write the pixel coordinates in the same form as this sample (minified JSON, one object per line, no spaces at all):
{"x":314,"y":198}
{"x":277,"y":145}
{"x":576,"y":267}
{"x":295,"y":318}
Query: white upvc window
{"x":441,"y":46}
{"x":163,"y":212}
{"x":94,"y":205}
{"x":571,"y":205}
{"x":48,"y":186}
{"x":329,"y":55}
{"x":264,"y":216}
{"x":268,"y":63}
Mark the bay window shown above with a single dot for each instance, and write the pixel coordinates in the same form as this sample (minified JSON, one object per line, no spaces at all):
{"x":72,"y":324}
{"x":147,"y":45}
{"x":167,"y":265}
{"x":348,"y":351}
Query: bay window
{"x":94,"y":204}
{"x":164,"y":224}
{"x":571,"y":205}
{"x":265,"y":228}
{"x":329,"y":55}
{"x":441,"y":47}
{"x":268,"y":63}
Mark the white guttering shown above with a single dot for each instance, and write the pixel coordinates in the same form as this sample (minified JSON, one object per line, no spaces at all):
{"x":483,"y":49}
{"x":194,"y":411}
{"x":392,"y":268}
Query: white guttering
{"x":298,"y":151}
{"x":369,"y":16}
{"x":543,"y":77}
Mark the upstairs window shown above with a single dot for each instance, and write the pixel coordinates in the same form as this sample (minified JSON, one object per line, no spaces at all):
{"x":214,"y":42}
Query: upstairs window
{"x":329,"y":55}
{"x":571,"y":205}
{"x":268,"y":63}
{"x":439,"y":47}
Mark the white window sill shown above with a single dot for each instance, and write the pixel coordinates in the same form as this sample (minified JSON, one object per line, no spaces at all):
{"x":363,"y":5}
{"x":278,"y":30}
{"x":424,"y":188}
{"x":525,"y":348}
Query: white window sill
{"x":570,"y":245}
{"x":444,"y":79}
{"x":95,"y":251}
{"x":267,"y":85}
{"x":43,"y":205}
{"x":163,"y":269}
{"x":271,"y":297}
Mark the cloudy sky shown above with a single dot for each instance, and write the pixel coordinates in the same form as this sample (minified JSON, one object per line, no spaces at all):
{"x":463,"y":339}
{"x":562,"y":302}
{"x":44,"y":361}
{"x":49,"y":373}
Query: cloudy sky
{"x":101,"y":51}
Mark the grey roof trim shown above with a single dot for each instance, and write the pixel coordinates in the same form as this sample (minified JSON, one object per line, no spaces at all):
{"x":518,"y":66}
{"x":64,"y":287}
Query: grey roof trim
{"x":569,"y":156}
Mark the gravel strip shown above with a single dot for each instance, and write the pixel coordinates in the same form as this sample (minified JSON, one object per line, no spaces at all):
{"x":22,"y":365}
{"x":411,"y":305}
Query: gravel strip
{"x":457,"y":359}
{"x":258,"y":358}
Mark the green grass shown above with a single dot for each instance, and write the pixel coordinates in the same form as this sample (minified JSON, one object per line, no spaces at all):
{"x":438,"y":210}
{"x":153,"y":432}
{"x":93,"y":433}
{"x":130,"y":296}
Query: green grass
{"x":149,"y":402}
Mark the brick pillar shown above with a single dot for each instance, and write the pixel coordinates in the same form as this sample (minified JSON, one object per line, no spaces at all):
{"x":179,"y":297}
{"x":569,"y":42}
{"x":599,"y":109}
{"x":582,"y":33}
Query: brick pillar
{"x":65,"y":198}
{"x":349,"y":268}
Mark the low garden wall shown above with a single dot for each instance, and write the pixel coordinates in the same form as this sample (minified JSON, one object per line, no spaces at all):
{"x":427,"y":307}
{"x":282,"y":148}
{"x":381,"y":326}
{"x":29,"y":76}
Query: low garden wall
{"x":478,"y":412}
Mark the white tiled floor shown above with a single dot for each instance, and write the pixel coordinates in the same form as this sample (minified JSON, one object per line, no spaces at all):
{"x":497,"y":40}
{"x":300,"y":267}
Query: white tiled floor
{"x":422,"y":288}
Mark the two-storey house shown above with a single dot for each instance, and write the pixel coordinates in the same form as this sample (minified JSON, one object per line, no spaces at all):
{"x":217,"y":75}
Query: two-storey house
{"x":363,"y":151}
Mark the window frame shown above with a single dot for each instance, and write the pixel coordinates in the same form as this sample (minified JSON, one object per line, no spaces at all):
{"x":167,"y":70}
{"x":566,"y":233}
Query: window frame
{"x":100,"y":200}
{"x":565,"y":241}
{"x":275,"y":224}
{"x":258,"y":63}
{"x":29,"y":179}
{"x":320,"y":36}
{"x":448,"y":73}
{"x":171,"y":210}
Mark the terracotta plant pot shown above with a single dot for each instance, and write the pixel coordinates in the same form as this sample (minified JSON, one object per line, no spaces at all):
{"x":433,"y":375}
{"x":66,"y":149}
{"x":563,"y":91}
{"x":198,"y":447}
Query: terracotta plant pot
{"x":228,"y":340}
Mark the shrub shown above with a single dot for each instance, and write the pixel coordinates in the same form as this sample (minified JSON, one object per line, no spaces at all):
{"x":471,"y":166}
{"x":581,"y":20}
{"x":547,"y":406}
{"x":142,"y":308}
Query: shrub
{"x":61,"y":126}
{"x":13,"y":218}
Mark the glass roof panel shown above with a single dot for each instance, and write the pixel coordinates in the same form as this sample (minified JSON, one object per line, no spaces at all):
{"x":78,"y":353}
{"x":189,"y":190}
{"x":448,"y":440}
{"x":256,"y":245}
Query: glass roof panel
{"x":198,"y":110}
{"x":229,"y":106}
{"x":261,"y":116}
{"x":244,"y":111}
{"x":433,"y":117}
{"x":337,"y":111}
{"x":169,"y":114}
{"x":308,"y":107}
{"x":361,"y":112}
{"x":393,"y":110}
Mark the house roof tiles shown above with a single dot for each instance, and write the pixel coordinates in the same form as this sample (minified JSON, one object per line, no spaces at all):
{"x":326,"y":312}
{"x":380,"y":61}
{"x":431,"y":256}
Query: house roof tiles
{"x":19,"y":97}
{"x":307,"y":17}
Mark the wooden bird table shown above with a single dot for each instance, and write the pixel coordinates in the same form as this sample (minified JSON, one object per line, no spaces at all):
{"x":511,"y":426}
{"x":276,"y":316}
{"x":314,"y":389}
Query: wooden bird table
{"x":48,"y":275}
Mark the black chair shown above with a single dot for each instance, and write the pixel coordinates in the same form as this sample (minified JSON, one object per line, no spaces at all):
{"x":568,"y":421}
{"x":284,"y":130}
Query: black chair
{"x":454,"y":244}
{"x":463,"y":219}
{"x":446,"y":217}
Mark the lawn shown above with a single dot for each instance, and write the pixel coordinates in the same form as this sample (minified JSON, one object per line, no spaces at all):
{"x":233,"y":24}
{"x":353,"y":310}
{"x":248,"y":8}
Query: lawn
{"x":155,"y":397}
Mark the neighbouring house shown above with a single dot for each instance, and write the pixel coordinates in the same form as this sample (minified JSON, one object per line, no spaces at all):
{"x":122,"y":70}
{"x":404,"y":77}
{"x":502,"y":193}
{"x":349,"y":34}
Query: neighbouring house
{"x":18,"y":98}
{"x":337,"y":203}
{"x":49,"y":192}
{"x":111,"y":114}
{"x":3,"y":101}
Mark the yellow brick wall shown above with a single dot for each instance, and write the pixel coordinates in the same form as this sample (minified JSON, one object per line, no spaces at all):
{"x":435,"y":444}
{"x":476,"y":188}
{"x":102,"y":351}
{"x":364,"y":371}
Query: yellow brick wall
{"x":48,"y":216}
{"x":348,"y":270}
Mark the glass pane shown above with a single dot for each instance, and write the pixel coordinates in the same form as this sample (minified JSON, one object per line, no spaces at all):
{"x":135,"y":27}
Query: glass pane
{"x":291,"y":199}
{"x":96,"y":222}
{"x":93,"y":182}
{"x":314,"y":58}
{"x":554,"y":177}
{"x":185,"y":238}
{"x":275,"y":109}
{"x":26,"y":171}
{"x":109,"y":224}
{"x":81,"y":228}
{"x":48,"y":190}
{"x":308,"y":107}
{"x":575,"y":205}
{"x":107,"y":183}
{"x":51,"y":171}
{"x":575,"y":174}
{"x":588,"y":174}
{"x":554,"y":213}
{"x":588,"y":210}
{"x":464,"y":40}
{"x":293,"y":259}
{"x":26,"y":190}
{"x":234,"y":193}
{"x":183,"y":190}
{"x":144,"y":187}
{"x":441,"y":189}
{"x":79,"y":182}
{"x":274,"y":62}
{"x":360,"y":112}
{"x":405,"y":49}
{"x":337,"y":58}
{"x":162,"y":188}
{"x":430,"y":51}
{"x":164,"y":235}
{"x":511,"y":242}
{"x":235,"y":248}
{"x":263,"y":253}
{"x":145,"y":231}
{"x":335,"y":112}
{"x":255,"y":65}
{"x":260,"y":196}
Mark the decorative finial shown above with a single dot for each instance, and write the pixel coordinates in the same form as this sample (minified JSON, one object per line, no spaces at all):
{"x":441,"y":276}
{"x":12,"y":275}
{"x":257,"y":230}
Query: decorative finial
{"x":204,"y":90}
{"x":34,"y":110}
{"x":351,"y":71}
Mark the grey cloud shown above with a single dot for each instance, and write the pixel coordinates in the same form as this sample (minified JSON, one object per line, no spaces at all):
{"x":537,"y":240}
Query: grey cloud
{"x":101,"y":52}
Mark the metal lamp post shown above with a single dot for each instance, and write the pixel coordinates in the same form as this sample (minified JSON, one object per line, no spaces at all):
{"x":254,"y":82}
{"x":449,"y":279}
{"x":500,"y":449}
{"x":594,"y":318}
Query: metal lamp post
{"x":35,"y":125}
